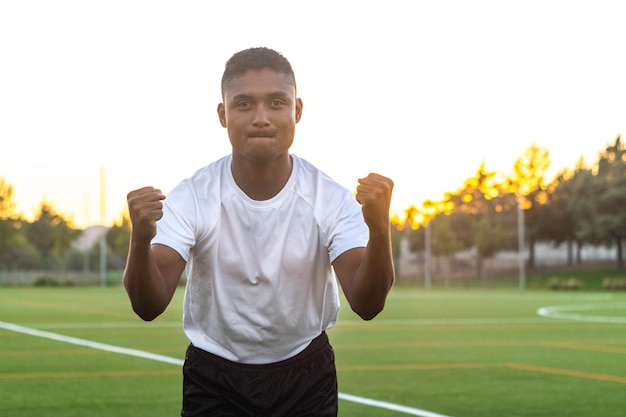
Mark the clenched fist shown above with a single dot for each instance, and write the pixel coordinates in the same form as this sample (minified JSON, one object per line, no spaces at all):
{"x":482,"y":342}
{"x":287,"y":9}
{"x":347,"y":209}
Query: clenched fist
{"x":145,"y":207}
{"x":374,"y":195}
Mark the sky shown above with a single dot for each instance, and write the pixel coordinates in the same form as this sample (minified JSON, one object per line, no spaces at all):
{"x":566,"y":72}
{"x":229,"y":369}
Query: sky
{"x":420,"y":91}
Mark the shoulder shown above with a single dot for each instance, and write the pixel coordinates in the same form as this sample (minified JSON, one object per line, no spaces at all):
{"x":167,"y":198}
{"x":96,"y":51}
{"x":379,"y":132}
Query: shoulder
{"x":193,"y":205}
{"x":212,"y":171}
{"x":317,"y":181}
{"x":309,"y":172}
{"x":321,"y":191}
{"x":204,"y":185}
{"x":204,"y":179}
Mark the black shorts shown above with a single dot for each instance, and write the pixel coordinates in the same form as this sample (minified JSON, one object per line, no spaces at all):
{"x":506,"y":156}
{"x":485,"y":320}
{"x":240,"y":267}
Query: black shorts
{"x":302,"y":386}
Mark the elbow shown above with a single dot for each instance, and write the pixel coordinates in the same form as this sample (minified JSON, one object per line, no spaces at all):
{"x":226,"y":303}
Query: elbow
{"x":368,"y":316}
{"x":368,"y":307}
{"x":369,"y":311}
{"x":147,"y":309}
{"x":147,"y":313}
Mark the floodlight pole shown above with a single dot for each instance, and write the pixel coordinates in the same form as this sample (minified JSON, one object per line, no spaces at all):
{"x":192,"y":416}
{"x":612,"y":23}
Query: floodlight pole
{"x":103,"y":242}
{"x":86,"y":251}
{"x":427,"y":255}
{"x":520,"y":242}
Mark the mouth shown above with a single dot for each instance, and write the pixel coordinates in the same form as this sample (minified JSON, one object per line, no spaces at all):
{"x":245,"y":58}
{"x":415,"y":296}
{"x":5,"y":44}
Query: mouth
{"x":261,"y":134}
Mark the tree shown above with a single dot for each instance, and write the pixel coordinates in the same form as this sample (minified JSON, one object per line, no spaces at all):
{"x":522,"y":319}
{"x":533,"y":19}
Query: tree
{"x":468,"y":204}
{"x":51,"y":234}
{"x":490,"y":239}
{"x":10,"y":224}
{"x":118,"y":240}
{"x":583,"y":207}
{"x":557,"y":220}
{"x":528,"y":183}
{"x":530,"y":169}
{"x":484,"y":197}
{"x":474,"y":195}
{"x":579,"y":206}
{"x":445,"y":241}
{"x":7,"y":204}
{"x":417,"y":239}
{"x":610,"y":186}
{"x":592,"y":200}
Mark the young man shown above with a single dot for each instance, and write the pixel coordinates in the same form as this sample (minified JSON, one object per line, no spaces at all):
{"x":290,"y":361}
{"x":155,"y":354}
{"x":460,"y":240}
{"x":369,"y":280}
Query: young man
{"x":259,"y":232}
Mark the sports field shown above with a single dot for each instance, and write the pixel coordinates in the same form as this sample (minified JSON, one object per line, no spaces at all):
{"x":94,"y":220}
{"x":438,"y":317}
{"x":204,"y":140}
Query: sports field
{"x":463,"y":353}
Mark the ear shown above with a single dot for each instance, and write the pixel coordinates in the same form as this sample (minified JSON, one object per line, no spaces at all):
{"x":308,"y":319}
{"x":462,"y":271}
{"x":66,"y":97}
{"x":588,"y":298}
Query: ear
{"x":221,"y":114}
{"x":298,"y":109}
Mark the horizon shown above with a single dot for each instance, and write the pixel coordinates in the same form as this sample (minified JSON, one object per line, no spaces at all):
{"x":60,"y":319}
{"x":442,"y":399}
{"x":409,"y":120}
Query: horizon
{"x":112,"y":217}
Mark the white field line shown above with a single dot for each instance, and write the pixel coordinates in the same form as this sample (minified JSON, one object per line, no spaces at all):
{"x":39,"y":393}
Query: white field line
{"x":510,"y":296}
{"x":563,"y":312}
{"x":389,"y":406}
{"x":106,"y":325}
{"x":174,"y":361}
{"x":448,"y":322}
{"x":89,"y":343}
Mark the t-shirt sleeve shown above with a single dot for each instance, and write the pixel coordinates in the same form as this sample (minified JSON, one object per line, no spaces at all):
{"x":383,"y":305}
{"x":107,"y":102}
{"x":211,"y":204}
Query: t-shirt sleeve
{"x":348,"y":229}
{"x":176,"y":228}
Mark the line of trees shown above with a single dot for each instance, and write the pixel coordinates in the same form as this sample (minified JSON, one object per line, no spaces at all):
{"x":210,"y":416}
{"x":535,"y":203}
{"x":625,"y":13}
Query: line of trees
{"x":585,"y":205}
{"x":49,"y":241}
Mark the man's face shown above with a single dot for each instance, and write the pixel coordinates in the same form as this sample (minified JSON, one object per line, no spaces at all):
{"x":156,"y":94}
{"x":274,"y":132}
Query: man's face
{"x":260,"y":111}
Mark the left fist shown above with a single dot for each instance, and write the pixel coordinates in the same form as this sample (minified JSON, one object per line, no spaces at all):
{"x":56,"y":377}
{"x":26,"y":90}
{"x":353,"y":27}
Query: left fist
{"x":374,"y":195}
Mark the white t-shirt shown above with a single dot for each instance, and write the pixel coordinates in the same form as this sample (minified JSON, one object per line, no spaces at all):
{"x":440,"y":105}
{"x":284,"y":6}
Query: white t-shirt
{"x":260,"y":285}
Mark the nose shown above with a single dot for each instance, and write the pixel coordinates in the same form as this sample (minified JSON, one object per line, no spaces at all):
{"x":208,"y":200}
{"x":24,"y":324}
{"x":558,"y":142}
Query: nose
{"x":261,"y":116}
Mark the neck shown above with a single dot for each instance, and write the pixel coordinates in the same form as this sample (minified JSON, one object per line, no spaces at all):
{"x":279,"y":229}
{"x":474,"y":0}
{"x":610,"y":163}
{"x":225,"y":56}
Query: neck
{"x":261,"y":180}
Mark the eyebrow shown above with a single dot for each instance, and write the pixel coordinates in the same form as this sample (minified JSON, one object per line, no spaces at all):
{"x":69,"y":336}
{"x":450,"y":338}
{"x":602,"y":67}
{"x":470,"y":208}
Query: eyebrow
{"x":242,"y":96}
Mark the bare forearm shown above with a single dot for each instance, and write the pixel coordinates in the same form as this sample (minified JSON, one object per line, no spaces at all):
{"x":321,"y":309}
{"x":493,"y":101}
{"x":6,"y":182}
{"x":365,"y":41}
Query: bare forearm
{"x":374,"y":278}
{"x":150,"y":284}
{"x":144,"y":283}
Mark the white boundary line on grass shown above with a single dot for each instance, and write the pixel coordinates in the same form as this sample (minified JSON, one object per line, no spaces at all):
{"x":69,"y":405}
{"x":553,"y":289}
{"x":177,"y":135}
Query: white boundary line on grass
{"x":174,"y":361}
{"x":89,"y":343}
{"x":561,"y":312}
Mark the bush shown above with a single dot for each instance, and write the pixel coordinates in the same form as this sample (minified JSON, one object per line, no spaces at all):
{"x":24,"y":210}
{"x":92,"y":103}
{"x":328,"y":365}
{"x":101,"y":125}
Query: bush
{"x":554,"y":283}
{"x":565,"y":284}
{"x":614,"y":284}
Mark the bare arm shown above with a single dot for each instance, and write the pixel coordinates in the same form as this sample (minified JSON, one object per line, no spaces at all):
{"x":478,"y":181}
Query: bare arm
{"x":152,"y":272}
{"x":366,"y":274}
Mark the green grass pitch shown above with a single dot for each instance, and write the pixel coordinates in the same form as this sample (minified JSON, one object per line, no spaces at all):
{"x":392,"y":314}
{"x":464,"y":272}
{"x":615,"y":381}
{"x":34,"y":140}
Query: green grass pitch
{"x":449,"y":352}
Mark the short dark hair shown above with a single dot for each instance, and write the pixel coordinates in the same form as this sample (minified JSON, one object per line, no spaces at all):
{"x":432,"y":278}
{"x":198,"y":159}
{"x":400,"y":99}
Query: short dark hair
{"x":256,"y":59}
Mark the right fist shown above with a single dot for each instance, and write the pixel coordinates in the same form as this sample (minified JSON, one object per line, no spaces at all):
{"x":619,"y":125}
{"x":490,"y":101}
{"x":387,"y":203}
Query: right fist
{"x":145,"y":208}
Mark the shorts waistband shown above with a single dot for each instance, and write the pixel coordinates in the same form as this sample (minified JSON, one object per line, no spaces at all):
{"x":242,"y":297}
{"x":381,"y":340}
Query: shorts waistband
{"x":316,"y":345}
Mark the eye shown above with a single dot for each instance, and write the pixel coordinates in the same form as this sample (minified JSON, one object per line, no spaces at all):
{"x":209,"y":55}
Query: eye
{"x":277,"y":103}
{"x":243,"y":105}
